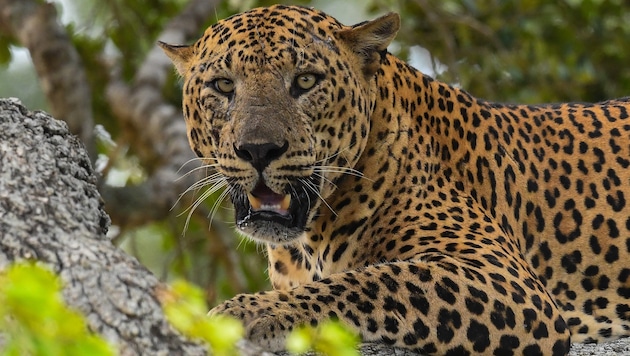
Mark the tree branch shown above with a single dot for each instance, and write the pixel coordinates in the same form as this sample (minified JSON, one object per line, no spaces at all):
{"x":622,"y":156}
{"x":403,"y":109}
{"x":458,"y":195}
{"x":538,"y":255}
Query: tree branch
{"x":157,"y":125}
{"x":58,"y":64}
{"x":50,"y":211}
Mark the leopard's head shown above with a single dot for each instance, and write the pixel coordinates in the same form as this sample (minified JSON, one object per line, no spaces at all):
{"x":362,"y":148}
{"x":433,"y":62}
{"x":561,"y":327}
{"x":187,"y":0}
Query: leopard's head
{"x":279,"y":100}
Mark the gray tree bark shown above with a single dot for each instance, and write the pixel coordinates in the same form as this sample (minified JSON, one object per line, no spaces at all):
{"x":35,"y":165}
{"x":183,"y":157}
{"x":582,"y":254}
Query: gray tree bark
{"x":156,"y":127}
{"x":52,"y":212}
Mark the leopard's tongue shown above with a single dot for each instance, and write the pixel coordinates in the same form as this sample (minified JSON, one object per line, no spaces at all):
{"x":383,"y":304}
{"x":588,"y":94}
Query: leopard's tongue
{"x":264,"y":199}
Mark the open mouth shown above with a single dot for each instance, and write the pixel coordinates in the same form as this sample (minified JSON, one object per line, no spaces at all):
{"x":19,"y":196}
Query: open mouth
{"x":267,"y":216}
{"x":264,"y":199}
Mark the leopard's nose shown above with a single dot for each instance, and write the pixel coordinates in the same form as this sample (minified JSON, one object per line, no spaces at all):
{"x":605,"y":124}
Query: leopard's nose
{"x":260,"y":155}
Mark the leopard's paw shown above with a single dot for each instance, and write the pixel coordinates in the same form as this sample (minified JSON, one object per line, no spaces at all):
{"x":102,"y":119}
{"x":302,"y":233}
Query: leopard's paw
{"x":267,"y":320}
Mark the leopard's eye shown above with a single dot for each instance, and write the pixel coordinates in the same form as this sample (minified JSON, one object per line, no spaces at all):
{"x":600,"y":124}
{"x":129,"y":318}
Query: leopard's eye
{"x":306,"y":81}
{"x":224,"y":85}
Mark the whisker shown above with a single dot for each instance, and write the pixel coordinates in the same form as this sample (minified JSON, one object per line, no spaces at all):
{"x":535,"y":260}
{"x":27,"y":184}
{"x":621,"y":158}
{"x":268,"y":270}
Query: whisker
{"x":343,"y":170}
{"x":214,"y":188}
{"x":325,"y":179}
{"x":242,"y":241}
{"x":325,"y":159}
{"x":195,"y":159}
{"x":205,"y":166}
{"x":308,"y":197}
{"x":314,"y":189}
{"x":320,"y":168}
{"x":205,"y":195}
{"x":217,"y":203}
{"x":293,"y":189}
{"x":206,"y":181}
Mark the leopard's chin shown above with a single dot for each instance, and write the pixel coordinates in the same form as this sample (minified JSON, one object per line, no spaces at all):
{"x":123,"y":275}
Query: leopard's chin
{"x":269,"y":217}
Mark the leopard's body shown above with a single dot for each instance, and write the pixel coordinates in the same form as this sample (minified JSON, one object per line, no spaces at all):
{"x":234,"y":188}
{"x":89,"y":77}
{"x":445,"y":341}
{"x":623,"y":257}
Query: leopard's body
{"x":415,"y":213}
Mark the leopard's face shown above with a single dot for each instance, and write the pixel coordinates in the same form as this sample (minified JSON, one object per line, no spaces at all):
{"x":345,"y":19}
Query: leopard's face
{"x":279,"y":103}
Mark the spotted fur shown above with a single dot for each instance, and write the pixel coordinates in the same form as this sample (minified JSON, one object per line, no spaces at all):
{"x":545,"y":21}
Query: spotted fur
{"x":415,"y":213}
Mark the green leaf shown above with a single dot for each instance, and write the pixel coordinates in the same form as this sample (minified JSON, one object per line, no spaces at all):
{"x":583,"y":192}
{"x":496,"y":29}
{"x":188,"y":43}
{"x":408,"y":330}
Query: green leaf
{"x":185,"y":308}
{"x":36,"y":320}
{"x":329,"y":338}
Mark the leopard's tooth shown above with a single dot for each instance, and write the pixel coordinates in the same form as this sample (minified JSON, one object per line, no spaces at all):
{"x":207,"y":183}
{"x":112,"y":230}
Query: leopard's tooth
{"x":286,"y":202}
{"x":255,"y":203}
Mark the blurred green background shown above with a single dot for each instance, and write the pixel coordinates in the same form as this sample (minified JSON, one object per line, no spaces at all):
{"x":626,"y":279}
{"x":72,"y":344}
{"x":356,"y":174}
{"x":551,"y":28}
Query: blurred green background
{"x":528,"y":51}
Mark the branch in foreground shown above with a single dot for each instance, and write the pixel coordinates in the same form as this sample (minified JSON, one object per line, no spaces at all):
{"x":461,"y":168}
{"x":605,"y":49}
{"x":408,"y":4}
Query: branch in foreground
{"x":50,"y":211}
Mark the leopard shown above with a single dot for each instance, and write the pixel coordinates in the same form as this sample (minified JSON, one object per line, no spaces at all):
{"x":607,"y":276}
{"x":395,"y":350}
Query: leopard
{"x":411,"y":211}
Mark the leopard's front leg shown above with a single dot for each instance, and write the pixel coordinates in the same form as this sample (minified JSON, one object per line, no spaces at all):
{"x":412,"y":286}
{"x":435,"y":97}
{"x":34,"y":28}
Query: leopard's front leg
{"x":442,"y":306}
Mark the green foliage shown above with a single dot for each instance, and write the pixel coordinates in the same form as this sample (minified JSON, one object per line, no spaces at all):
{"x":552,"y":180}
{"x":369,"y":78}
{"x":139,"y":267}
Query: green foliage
{"x":524,"y":51}
{"x":133,"y":25}
{"x":35,"y":320}
{"x":5,"y":51}
{"x":185,"y":308}
{"x":330,"y":338}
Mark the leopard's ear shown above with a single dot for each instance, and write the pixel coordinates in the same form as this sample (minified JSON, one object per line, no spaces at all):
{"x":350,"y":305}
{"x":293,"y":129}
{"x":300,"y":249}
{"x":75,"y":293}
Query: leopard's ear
{"x":179,"y":55}
{"x":370,"y":39}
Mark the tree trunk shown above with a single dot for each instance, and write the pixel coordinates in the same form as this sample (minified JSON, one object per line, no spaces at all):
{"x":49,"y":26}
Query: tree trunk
{"x":51,"y":211}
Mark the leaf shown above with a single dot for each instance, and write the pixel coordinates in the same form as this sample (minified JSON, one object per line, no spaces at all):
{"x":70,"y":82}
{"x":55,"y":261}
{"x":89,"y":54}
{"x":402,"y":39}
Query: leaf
{"x":185,"y":308}
{"x":36,"y":319}
{"x":329,"y":338}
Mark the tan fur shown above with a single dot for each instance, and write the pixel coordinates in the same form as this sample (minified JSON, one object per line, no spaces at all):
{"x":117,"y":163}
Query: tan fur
{"x":420,"y":216}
